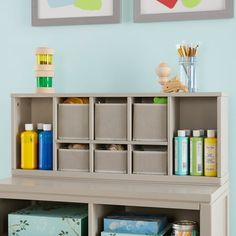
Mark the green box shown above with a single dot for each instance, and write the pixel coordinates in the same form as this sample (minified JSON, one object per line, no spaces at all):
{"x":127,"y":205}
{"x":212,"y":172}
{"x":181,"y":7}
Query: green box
{"x":49,"y":219}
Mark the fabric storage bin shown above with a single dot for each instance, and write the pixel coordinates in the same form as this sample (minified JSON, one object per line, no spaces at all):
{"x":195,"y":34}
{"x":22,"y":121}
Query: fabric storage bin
{"x":73,"y":160}
{"x":150,"y":122}
{"x":111,"y":161}
{"x":111,"y":121}
{"x":49,"y":219}
{"x":150,"y":162}
{"x":73,"y":121}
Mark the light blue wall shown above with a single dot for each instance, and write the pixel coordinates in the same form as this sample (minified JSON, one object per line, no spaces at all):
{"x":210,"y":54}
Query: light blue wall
{"x":112,"y":58}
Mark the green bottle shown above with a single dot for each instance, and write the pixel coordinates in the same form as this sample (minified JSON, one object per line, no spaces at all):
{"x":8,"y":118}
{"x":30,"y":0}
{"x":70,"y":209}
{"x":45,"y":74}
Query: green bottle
{"x":196,"y":154}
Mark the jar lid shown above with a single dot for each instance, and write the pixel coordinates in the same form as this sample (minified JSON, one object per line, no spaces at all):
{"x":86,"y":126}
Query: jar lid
{"x":211,"y":133}
{"x":44,"y":50}
{"x":44,"y":73}
{"x":196,"y":133}
{"x":181,"y":133}
{"x":44,"y":67}
{"x":185,"y":225}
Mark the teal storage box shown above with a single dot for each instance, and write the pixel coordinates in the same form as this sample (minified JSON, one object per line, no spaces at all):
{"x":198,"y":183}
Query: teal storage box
{"x":164,"y":232}
{"x":134,"y":223}
{"x":49,"y":220}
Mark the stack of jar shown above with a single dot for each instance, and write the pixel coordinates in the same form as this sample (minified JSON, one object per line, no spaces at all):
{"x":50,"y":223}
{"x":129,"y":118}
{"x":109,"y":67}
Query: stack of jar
{"x":44,"y":70}
{"x":195,"y":154}
{"x":36,"y":147}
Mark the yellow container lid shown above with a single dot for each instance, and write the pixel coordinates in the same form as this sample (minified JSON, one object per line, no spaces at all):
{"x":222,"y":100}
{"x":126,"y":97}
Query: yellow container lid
{"x":44,"y":50}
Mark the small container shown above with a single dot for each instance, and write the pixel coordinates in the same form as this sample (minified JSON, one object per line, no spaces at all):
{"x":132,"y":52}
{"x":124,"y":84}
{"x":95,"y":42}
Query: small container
{"x":44,"y":56}
{"x":29,"y":145}
{"x":185,"y":228}
{"x":181,"y":154}
{"x":44,"y":82}
{"x":210,"y":154}
{"x":45,"y":148}
{"x":187,"y":67}
{"x":196,"y":153}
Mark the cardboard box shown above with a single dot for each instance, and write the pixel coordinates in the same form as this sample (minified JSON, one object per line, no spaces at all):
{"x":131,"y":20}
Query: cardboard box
{"x":50,"y":220}
{"x":133,"y":223}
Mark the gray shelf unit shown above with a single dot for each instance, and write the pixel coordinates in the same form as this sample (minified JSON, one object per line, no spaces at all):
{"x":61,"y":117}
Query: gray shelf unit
{"x":203,"y":199}
{"x":183,"y":111}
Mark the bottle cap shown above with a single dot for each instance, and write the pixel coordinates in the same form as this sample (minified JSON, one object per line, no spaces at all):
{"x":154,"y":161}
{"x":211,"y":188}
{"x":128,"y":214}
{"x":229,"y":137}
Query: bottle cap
{"x":196,"y":133}
{"x":211,"y":133}
{"x":40,"y":126}
{"x":202,"y":132}
{"x":188,"y":132}
{"x":181,"y":133}
{"x":47,"y":127}
{"x":29,"y":127}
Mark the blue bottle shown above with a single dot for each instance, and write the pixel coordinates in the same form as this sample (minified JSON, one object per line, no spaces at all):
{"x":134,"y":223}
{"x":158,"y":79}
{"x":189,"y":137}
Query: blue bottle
{"x":181,"y":159}
{"x":45,"y":148}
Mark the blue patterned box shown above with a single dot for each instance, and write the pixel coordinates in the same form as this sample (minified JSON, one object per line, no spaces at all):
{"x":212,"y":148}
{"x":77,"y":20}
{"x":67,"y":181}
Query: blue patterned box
{"x":50,"y":220}
{"x":167,"y":229}
{"x":133,"y":223}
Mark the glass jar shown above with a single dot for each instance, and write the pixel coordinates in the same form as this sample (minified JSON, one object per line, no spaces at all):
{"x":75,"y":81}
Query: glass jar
{"x":185,"y":228}
{"x":187,"y":70}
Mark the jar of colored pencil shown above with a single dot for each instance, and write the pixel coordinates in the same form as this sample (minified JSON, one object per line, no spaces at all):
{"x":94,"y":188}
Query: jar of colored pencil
{"x":187,"y":66}
{"x":185,"y":228}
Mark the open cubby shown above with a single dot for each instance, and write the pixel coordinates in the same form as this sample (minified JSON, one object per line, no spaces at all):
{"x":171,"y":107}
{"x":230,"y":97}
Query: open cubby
{"x":29,"y":110}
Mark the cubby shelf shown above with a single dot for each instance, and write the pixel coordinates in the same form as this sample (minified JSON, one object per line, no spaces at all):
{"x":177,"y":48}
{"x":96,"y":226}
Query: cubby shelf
{"x":131,"y":120}
{"x":202,"y":199}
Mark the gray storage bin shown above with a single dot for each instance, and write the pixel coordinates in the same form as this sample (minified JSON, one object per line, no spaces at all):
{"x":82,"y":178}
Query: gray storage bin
{"x":150,"y":162}
{"x":110,"y":161}
{"x":150,"y":122}
{"x":111,"y":121}
{"x":73,"y":121}
{"x":73,"y":160}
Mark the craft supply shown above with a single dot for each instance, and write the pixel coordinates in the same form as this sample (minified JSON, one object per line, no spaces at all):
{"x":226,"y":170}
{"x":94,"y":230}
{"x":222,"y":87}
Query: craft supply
{"x":115,"y":147}
{"x":74,"y":100}
{"x":44,"y":70}
{"x":196,"y":153}
{"x":185,"y":228}
{"x":78,"y":146}
{"x":160,"y":100}
{"x":45,"y":148}
{"x":29,"y":143}
{"x":181,"y":153}
{"x":210,"y":154}
{"x":163,"y":72}
{"x":187,"y":64}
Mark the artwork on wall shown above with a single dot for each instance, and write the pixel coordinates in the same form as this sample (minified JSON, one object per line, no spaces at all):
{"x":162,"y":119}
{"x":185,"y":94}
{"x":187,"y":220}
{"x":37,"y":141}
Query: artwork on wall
{"x":167,"y":10}
{"x":72,"y":12}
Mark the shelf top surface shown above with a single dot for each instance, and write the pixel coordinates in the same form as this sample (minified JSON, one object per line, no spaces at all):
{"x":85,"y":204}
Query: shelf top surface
{"x":152,"y":94}
{"x":97,"y":189}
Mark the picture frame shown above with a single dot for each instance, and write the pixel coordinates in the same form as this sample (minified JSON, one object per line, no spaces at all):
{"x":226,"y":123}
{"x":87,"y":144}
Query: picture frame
{"x":145,"y":13}
{"x":56,"y":13}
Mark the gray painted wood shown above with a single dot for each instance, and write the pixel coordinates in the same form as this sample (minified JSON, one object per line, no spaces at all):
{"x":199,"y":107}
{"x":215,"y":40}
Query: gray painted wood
{"x":115,"y":18}
{"x":228,"y":12}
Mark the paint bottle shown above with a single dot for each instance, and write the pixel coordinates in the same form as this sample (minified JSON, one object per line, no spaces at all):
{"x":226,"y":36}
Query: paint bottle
{"x":29,"y":144}
{"x":181,"y":154}
{"x":45,"y":148}
{"x":196,"y":153}
{"x":210,"y":154}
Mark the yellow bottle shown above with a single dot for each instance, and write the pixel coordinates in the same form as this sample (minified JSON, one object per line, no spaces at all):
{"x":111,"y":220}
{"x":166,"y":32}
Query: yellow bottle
{"x":29,"y":142}
{"x":210,"y":154}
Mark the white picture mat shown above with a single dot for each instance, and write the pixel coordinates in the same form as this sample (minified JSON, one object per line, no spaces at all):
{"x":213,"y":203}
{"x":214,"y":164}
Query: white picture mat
{"x":154,"y":7}
{"x":46,"y":12}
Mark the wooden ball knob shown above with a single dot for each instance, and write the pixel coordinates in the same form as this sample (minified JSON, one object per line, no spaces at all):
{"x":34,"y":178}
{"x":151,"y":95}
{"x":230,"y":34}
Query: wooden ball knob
{"x":163,"y":70}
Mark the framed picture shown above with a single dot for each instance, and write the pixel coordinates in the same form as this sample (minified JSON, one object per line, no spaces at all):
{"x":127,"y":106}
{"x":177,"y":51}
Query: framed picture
{"x":73,"y":12}
{"x":170,"y":10}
